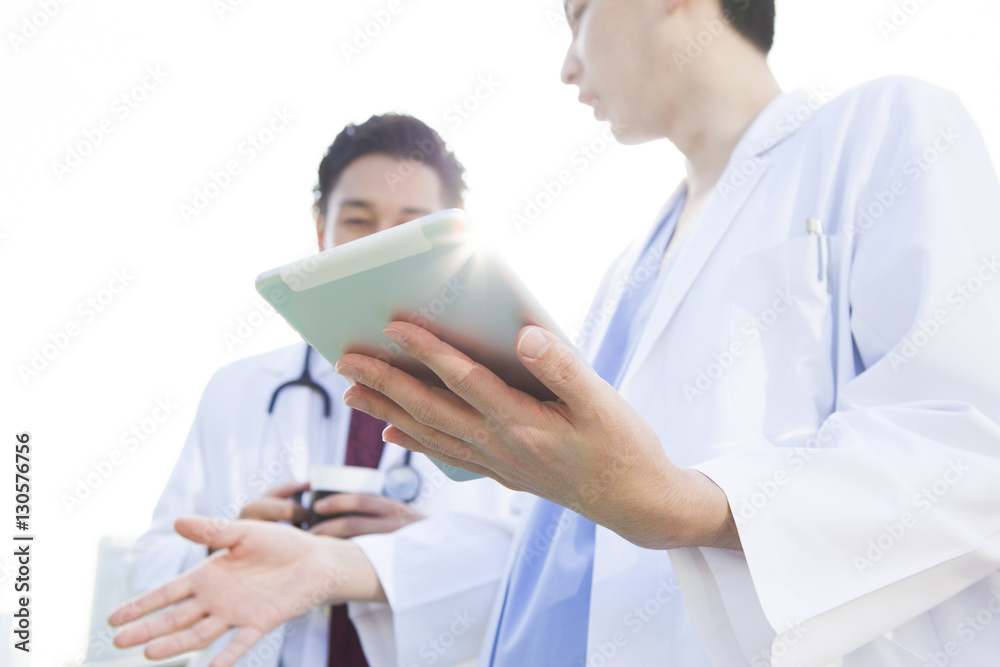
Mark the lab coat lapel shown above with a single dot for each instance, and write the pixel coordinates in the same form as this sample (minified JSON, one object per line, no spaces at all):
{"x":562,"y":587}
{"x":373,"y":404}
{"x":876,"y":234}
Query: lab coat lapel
{"x":701,"y":242}
{"x":747,"y":166}
{"x":611,"y":291}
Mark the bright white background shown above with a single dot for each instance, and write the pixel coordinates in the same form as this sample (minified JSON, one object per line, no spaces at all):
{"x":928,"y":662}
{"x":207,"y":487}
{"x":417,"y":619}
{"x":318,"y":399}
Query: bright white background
{"x":162,"y":337}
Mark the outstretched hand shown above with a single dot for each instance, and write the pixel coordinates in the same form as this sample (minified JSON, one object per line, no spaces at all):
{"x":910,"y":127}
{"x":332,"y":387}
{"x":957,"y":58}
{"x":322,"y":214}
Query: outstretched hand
{"x":262,"y":575}
{"x":589,"y":450}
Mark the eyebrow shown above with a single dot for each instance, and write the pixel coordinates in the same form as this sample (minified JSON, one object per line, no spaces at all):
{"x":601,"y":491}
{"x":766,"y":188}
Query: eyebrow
{"x":361,"y":203}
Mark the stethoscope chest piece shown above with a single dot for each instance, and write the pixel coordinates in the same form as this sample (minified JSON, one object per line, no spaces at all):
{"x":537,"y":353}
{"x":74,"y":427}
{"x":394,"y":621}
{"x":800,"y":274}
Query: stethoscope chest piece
{"x":402,"y":482}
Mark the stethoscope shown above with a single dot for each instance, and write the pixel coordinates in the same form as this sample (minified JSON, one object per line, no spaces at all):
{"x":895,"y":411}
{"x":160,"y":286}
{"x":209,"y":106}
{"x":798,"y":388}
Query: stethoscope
{"x":402,"y":481}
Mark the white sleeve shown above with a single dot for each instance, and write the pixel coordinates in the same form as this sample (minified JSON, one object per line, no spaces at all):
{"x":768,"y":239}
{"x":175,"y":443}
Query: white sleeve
{"x":440,"y":576}
{"x":161,"y":554}
{"x":896,"y":507}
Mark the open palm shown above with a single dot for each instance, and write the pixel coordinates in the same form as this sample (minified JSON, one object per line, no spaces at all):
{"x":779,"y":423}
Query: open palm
{"x":264,"y":575}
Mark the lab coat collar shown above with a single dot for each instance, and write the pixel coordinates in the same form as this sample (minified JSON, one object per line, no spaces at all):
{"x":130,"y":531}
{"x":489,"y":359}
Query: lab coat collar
{"x":287,"y":362}
{"x":780,"y":120}
{"x":750,"y":160}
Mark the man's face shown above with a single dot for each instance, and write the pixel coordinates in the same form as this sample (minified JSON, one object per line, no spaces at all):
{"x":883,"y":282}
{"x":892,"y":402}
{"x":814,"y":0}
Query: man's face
{"x":619,"y":58}
{"x":376,"y":192}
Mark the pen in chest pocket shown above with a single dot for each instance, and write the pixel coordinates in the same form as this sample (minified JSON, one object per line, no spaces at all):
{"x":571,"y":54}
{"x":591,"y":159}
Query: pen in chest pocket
{"x":814,"y":227}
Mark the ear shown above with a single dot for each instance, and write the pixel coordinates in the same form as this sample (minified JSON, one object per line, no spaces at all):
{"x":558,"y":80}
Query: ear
{"x":320,"y":228}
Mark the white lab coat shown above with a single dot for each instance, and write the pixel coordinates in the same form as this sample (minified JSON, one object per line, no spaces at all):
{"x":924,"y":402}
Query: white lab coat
{"x":234,"y":452}
{"x":858,"y":443}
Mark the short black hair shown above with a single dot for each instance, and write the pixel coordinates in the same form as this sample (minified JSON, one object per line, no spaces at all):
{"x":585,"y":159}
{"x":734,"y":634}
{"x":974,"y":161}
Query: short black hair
{"x":396,"y":135}
{"x":754,"y":19}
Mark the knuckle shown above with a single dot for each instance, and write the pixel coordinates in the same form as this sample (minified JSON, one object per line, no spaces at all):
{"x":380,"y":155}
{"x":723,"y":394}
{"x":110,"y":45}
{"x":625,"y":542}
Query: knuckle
{"x":351,"y":525}
{"x":464,"y":380}
{"x":429,"y":442}
{"x":199,"y":633}
{"x":422,"y":409}
{"x":375,"y":377}
{"x":351,"y":502}
{"x":463,"y":451}
{"x":370,"y":504}
{"x":564,"y":369}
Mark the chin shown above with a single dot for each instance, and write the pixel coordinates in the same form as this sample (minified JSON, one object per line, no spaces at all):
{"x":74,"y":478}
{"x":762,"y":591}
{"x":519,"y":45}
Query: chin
{"x":630,"y":135}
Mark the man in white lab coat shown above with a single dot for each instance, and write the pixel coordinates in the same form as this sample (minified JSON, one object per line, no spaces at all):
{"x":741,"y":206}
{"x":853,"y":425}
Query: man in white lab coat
{"x":250,"y":449}
{"x":789,"y":453}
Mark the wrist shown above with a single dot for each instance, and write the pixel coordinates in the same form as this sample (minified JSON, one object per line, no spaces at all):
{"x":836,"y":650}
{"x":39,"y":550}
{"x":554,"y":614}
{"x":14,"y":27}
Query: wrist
{"x":343,"y":573}
{"x":675,"y":507}
{"x":696,"y":513}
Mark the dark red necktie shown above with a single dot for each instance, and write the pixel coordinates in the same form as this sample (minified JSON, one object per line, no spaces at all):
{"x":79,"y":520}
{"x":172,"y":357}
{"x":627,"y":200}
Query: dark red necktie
{"x":364,"y":448}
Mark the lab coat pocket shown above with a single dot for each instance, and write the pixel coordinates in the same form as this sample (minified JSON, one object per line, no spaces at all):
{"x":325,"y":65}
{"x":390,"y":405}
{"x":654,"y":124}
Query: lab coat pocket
{"x":781,"y":339}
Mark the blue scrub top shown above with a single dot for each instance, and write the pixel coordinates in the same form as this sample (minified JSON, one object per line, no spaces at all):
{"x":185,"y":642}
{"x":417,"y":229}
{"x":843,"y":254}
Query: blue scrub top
{"x":546,"y":606}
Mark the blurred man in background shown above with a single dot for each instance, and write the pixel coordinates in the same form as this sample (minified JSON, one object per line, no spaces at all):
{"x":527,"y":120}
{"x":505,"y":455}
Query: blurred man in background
{"x":252,"y":444}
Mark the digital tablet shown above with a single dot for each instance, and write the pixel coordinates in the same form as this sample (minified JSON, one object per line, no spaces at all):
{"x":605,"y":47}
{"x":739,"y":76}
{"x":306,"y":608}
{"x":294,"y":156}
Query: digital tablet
{"x":433,"y":271}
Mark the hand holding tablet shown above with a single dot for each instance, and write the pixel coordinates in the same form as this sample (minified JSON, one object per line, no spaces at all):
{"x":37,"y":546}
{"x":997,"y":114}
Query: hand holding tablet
{"x":432,"y":272}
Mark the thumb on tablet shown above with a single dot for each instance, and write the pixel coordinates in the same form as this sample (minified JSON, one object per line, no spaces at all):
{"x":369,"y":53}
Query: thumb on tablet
{"x":557,"y":365}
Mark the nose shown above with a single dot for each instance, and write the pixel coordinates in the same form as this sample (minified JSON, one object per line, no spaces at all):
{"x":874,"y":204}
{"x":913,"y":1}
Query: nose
{"x":570,"y":73}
